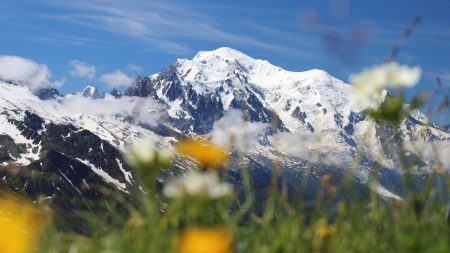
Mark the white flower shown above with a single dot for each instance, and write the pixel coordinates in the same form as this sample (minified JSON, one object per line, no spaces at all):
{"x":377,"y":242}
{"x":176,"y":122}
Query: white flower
{"x":370,"y":84}
{"x":165,"y":156}
{"x":145,"y":152}
{"x":372,"y":79}
{"x":367,"y":96}
{"x":197,"y":184}
{"x":141,"y":153}
{"x":403,"y":76}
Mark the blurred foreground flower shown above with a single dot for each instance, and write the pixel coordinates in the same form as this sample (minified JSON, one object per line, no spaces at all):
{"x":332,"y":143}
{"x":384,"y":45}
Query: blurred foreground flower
{"x":323,"y":229}
{"x":371,"y":83}
{"x":197,"y":184}
{"x":402,"y":76}
{"x":323,"y":233}
{"x":21,"y":225}
{"x":204,"y":152}
{"x":327,"y":185}
{"x":205,"y":240}
{"x":147,"y":161}
{"x":145,"y":153}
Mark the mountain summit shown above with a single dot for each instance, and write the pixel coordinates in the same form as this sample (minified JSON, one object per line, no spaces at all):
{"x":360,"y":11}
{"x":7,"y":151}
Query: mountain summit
{"x":91,"y":92}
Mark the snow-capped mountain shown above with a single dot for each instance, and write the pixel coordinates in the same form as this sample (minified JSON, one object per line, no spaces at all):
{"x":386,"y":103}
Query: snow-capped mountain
{"x":90,"y":92}
{"x":200,"y":91}
{"x":306,"y":121}
{"x":316,"y":120}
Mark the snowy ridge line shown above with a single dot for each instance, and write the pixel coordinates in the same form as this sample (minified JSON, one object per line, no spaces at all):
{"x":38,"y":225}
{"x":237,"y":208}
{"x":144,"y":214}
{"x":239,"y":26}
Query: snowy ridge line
{"x":107,"y":127}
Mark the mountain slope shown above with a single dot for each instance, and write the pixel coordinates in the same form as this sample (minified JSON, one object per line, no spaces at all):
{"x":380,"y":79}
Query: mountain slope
{"x":60,"y":150}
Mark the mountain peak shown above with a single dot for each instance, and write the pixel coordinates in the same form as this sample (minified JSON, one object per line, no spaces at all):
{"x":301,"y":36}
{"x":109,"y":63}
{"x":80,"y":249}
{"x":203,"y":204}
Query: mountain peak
{"x":91,"y":92}
{"x":90,"y":86}
{"x":115,"y":93}
{"x":224,"y":53}
{"x":216,"y":66}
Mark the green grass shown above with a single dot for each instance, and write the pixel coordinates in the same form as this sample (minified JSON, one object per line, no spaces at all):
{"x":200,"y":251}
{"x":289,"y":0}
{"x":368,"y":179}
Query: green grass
{"x":419,"y":223}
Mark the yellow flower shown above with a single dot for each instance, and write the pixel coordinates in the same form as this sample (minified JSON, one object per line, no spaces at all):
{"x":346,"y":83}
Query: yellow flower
{"x":204,"y":152}
{"x":326,"y":184}
{"x":21,"y":225}
{"x":323,"y":229}
{"x":205,"y":240}
{"x":322,"y":239}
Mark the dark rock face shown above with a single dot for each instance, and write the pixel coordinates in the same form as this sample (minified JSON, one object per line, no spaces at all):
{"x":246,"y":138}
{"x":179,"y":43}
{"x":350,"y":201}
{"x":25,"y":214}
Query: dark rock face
{"x":354,"y":118}
{"x":205,"y":110}
{"x":33,"y":121}
{"x":288,"y":105}
{"x":115,"y":93}
{"x":142,"y":87}
{"x":251,"y":105}
{"x":83,"y":144}
{"x":299,"y":114}
{"x":48,"y":93}
{"x":200,"y":110}
{"x":9,"y":149}
{"x":338,"y":119}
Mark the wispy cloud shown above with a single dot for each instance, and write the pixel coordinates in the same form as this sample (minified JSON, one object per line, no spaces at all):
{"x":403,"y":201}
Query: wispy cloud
{"x":82,"y":69}
{"x":116,"y":78}
{"x":165,"y":26}
{"x":61,"y":39}
{"x":135,"y":68}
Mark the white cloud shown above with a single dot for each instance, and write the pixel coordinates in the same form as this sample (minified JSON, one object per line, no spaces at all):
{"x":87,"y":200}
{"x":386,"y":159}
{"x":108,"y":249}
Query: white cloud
{"x":295,"y":145}
{"x":82,"y":69}
{"x":141,"y":110}
{"x":116,"y":78}
{"x":59,"y":83}
{"x":25,"y":71}
{"x":232,"y":131}
{"x":307,"y":147}
{"x":135,"y":68}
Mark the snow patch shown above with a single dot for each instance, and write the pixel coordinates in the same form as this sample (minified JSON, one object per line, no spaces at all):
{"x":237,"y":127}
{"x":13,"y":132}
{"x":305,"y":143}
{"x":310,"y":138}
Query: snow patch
{"x":126,"y":174}
{"x":105,"y":176}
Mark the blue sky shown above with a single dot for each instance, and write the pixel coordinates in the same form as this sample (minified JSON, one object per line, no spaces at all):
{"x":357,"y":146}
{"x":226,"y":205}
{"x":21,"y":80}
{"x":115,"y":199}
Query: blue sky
{"x":133,"y":37}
